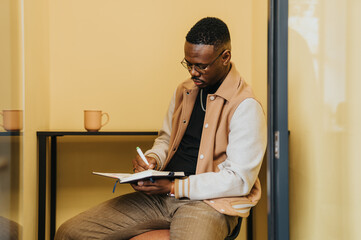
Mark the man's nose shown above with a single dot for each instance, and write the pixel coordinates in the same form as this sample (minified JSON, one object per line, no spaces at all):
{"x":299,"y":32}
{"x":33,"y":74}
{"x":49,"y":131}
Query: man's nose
{"x":194,"y":72}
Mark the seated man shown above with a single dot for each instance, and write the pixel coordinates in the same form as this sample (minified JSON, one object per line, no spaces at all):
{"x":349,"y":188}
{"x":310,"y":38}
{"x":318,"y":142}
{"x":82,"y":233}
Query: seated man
{"x":214,"y":131}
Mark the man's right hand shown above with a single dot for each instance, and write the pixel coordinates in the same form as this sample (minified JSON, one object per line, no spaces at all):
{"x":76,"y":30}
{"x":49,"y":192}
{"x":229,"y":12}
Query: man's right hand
{"x":139,"y":165}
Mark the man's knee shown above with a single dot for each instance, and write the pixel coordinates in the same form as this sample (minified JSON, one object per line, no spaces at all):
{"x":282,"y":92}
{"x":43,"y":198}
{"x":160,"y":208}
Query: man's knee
{"x":9,"y":229}
{"x":68,"y":231}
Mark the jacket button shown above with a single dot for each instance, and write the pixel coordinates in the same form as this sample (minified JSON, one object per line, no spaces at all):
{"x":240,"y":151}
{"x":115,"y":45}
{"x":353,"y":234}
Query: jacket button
{"x":212,"y":98}
{"x":206,"y":125}
{"x":184,"y":121}
{"x":201,"y":156}
{"x":187,"y":93}
{"x":174,"y":149}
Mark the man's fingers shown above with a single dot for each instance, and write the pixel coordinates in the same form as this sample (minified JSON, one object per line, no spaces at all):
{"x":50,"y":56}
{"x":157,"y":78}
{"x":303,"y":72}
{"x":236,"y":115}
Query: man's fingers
{"x":147,"y":189}
{"x":137,"y":166}
{"x":152,"y":163}
{"x":141,"y":163}
{"x":161,"y":186}
{"x":140,"y":169}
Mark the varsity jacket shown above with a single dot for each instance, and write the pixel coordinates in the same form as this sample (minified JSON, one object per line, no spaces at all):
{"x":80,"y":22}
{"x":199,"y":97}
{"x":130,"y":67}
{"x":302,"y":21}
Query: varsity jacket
{"x":231,"y":150}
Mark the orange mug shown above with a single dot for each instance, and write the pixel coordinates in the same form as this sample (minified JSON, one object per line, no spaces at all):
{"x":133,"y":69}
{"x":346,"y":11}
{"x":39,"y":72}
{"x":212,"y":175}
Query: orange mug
{"x":93,"y":120}
{"x":12,"y":120}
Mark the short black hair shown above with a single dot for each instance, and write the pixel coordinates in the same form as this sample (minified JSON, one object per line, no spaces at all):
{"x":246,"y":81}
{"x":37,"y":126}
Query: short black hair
{"x":209,"y":31}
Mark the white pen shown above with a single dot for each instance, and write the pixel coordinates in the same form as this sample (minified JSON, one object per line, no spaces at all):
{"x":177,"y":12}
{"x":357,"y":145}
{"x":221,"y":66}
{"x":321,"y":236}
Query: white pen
{"x":142,"y":155}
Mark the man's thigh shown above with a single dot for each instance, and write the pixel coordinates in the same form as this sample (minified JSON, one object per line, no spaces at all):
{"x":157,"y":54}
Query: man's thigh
{"x":119,"y":218}
{"x":197,"y":220}
{"x":8,"y":229}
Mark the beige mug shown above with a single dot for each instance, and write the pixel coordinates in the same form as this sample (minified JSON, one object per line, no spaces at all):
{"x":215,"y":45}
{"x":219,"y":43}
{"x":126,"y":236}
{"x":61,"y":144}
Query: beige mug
{"x":93,"y":120}
{"x":12,"y":120}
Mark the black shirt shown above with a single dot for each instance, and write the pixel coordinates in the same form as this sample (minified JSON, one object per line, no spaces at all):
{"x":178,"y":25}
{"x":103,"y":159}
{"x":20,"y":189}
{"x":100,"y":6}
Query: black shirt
{"x":185,"y":158}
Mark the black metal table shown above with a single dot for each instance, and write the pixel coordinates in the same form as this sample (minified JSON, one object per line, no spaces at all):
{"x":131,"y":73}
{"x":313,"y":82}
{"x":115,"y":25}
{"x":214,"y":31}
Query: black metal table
{"x":43,"y":137}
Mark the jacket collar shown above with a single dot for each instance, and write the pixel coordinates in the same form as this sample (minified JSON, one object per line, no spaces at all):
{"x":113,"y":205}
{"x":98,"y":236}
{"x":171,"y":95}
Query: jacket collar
{"x":228,"y":87}
{"x":230,"y":84}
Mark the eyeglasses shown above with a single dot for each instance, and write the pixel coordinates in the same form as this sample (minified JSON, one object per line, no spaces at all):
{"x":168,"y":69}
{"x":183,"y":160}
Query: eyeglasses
{"x":201,"y":68}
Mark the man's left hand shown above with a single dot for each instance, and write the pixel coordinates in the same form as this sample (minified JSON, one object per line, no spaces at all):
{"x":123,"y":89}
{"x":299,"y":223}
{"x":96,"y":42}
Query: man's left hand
{"x":160,"y":186}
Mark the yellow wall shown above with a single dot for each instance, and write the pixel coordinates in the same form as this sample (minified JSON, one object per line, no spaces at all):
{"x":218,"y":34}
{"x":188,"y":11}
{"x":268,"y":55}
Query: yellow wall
{"x":324,"y":119}
{"x":115,"y":56}
{"x":11,"y":97}
{"x":259,"y":84}
{"x":118,"y":56}
{"x":36,"y":103}
{"x":11,"y":88}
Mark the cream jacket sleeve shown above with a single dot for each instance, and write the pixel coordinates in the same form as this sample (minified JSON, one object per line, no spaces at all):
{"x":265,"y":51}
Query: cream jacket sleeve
{"x":245,"y":151}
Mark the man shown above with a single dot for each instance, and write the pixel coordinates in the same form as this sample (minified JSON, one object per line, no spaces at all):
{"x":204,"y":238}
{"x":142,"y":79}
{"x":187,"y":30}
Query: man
{"x":215,"y":132}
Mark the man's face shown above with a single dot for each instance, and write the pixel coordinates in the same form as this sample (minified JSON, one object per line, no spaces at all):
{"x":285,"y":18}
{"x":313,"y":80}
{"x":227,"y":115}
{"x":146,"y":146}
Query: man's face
{"x":204,"y":55}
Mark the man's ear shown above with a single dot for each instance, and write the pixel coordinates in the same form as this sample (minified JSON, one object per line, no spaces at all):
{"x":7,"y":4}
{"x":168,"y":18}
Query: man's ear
{"x":226,"y":57}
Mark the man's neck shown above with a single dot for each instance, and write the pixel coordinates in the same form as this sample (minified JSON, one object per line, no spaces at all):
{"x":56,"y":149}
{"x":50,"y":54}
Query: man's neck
{"x":214,"y":87}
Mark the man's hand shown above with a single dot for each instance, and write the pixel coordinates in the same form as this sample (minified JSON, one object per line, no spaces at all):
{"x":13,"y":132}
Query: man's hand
{"x":160,"y":186}
{"x":139,"y":165}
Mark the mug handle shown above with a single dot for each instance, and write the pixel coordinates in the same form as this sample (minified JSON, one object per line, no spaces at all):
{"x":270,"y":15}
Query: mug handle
{"x":106,"y":114}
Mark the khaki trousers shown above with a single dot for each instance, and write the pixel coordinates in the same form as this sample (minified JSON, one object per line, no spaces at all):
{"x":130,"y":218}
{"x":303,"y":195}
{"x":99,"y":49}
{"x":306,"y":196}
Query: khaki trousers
{"x":135,"y":213}
{"x":9,"y":230}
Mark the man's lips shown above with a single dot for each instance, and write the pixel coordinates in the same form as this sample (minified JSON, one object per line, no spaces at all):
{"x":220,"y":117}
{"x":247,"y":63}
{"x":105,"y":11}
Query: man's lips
{"x":197,"y":81}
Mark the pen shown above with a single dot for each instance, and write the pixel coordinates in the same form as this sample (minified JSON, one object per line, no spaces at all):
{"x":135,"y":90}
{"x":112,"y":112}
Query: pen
{"x":142,"y":155}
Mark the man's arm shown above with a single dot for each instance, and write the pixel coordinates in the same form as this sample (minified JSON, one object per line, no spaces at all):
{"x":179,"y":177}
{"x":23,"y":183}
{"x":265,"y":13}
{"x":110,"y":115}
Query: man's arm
{"x":245,"y":151}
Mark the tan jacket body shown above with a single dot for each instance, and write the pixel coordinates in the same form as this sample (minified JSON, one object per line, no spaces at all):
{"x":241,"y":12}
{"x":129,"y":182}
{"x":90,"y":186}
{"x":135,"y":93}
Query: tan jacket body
{"x":215,"y":150}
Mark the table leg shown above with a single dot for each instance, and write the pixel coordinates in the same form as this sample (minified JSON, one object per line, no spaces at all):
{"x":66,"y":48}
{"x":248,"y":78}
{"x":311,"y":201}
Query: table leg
{"x":42,"y":187}
{"x":53,"y":177}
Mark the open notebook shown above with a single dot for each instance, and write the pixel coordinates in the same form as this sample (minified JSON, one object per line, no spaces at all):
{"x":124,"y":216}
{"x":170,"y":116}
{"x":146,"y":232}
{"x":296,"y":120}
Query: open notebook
{"x":149,"y":174}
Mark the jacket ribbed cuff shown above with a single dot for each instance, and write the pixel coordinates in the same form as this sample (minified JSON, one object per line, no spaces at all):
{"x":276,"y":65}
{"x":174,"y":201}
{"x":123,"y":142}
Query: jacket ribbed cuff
{"x":181,"y":188}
